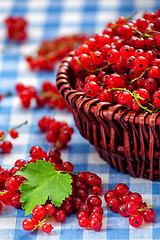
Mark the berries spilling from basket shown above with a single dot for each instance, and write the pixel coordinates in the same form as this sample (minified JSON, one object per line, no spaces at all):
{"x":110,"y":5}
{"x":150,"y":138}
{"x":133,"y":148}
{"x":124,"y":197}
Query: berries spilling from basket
{"x":129,"y":204}
{"x":7,"y":146}
{"x":51,"y":51}
{"x":16,"y":28}
{"x":82,"y":184}
{"x":48,"y":95}
{"x":122,"y":65}
{"x":58,"y":133}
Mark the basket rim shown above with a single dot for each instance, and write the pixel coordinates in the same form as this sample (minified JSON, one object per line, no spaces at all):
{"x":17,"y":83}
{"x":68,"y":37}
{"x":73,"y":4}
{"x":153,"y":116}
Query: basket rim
{"x":139,"y":118}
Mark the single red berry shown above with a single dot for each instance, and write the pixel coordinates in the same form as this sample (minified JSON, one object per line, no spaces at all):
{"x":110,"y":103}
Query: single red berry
{"x":132,"y":207}
{"x":96,"y":190}
{"x":109,"y":194}
{"x":36,"y":152}
{"x":84,"y":222}
{"x":94,"y":201}
{"x":143,"y":94}
{"x":95,"y":224}
{"x":136,"y":197}
{"x":13,"y":133}
{"x":91,"y":89}
{"x":50,"y":209}
{"x":149,"y":215}
{"x":120,"y":189}
{"x":39,"y":212}
{"x":28,"y":224}
{"x":6,"y":146}
{"x":60,"y":215}
{"x":47,"y":227}
{"x":11,"y":184}
{"x":122,"y":210}
{"x":113,"y":204}
{"x":81,"y":215}
{"x":135,"y":220}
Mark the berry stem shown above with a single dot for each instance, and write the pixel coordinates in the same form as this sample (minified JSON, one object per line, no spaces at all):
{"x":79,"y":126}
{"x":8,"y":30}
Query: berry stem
{"x":39,"y":224}
{"x":145,"y":108}
{"x":129,"y":18}
{"x":98,"y":69}
{"x":137,"y":31}
{"x":135,"y":79}
{"x":8,"y":93}
{"x":1,"y":193}
{"x":20,"y":125}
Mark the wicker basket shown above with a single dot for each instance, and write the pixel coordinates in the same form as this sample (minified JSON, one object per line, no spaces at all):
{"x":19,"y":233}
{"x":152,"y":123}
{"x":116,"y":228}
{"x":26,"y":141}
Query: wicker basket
{"x":128,"y":141}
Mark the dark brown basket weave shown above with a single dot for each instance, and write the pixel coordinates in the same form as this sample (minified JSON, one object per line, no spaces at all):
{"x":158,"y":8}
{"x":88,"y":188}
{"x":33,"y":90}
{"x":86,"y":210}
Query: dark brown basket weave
{"x":128,"y":141}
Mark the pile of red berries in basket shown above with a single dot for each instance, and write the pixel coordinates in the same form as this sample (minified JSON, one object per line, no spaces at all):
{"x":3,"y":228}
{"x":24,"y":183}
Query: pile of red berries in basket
{"x":122,"y":65}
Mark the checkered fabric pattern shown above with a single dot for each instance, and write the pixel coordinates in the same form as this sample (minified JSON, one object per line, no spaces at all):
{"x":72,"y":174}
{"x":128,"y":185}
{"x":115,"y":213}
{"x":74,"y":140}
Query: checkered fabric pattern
{"x":48,"y":19}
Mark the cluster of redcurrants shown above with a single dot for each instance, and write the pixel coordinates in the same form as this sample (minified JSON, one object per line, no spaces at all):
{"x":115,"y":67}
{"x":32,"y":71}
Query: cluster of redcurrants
{"x":16,"y":28}
{"x":48,"y":95}
{"x":58,"y":133}
{"x":6,"y":146}
{"x":122,"y":65}
{"x":89,"y":214}
{"x":51,"y":51}
{"x":128,"y":203}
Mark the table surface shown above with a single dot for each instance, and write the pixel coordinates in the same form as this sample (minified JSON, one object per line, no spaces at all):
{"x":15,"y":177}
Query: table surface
{"x":48,"y":19}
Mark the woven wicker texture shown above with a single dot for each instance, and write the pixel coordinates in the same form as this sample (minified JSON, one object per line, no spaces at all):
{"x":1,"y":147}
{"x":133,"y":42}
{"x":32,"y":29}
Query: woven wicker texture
{"x":128,"y":141}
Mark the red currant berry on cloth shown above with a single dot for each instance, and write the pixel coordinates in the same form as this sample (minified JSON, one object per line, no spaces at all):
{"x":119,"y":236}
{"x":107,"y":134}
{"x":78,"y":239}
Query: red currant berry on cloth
{"x":120,"y":189}
{"x":13,"y":133}
{"x":36,"y":152}
{"x":84,"y":222}
{"x":113,"y":204}
{"x":6,"y":146}
{"x":132,"y":207}
{"x":136,"y":197}
{"x":39,"y":212}
{"x":109,"y":194}
{"x":94,"y":201}
{"x":122,"y":210}
{"x":135,"y":220}
{"x":95,"y":224}
{"x":60,"y":215}
{"x":91,"y":89}
{"x":50,"y":209}
{"x":47,"y":227}
{"x":149,"y":215}
{"x":11,"y":184}
{"x":28,"y":224}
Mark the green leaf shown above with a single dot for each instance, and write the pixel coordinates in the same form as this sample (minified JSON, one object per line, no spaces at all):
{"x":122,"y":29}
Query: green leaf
{"x":43,"y":182}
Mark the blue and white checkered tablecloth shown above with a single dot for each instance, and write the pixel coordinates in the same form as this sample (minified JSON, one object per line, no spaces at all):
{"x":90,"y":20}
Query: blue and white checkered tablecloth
{"x":48,"y":19}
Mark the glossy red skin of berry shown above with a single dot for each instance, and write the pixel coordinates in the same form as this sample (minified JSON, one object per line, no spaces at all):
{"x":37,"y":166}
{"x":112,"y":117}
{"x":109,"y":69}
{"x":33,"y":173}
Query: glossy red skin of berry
{"x":122,"y":210}
{"x":5,"y":198}
{"x":14,"y":133}
{"x":141,"y":63}
{"x":126,"y":197}
{"x":11,"y":184}
{"x":50,"y":209}
{"x":97,"y":209}
{"x":15,"y":201}
{"x":60,"y":215}
{"x":47,"y":227}
{"x":82,"y":176}
{"x":149,"y":215}
{"x":143,"y":93}
{"x":36,"y":152}
{"x":67,"y":206}
{"x":114,"y":80}
{"x":113,"y":204}
{"x":135,"y":220}
{"x":120,"y":189}
{"x":82,"y":194}
{"x":136,"y":197}
{"x":28,"y":224}
{"x":109,"y":194}
{"x":126,"y":51}
{"x":95,"y":224}
{"x":39,"y":212}
{"x":84,"y":222}
{"x":113,"y":55}
{"x":93,"y":180}
{"x":125,"y":99}
{"x":153,"y":72}
{"x":96,"y":58}
{"x":150,"y":84}
{"x":85,"y":208}
{"x":91,"y":89}
{"x":20,"y":163}
{"x":156,"y":99}
{"x":96,"y":190}
{"x":67,"y":166}
{"x":132,"y":207}
{"x":81,"y":215}
{"x":94,"y":201}
{"x":105,"y":96}
{"x":6,"y":147}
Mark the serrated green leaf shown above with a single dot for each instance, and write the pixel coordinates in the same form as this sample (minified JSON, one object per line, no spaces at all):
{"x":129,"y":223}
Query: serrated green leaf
{"x":43,"y":182}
